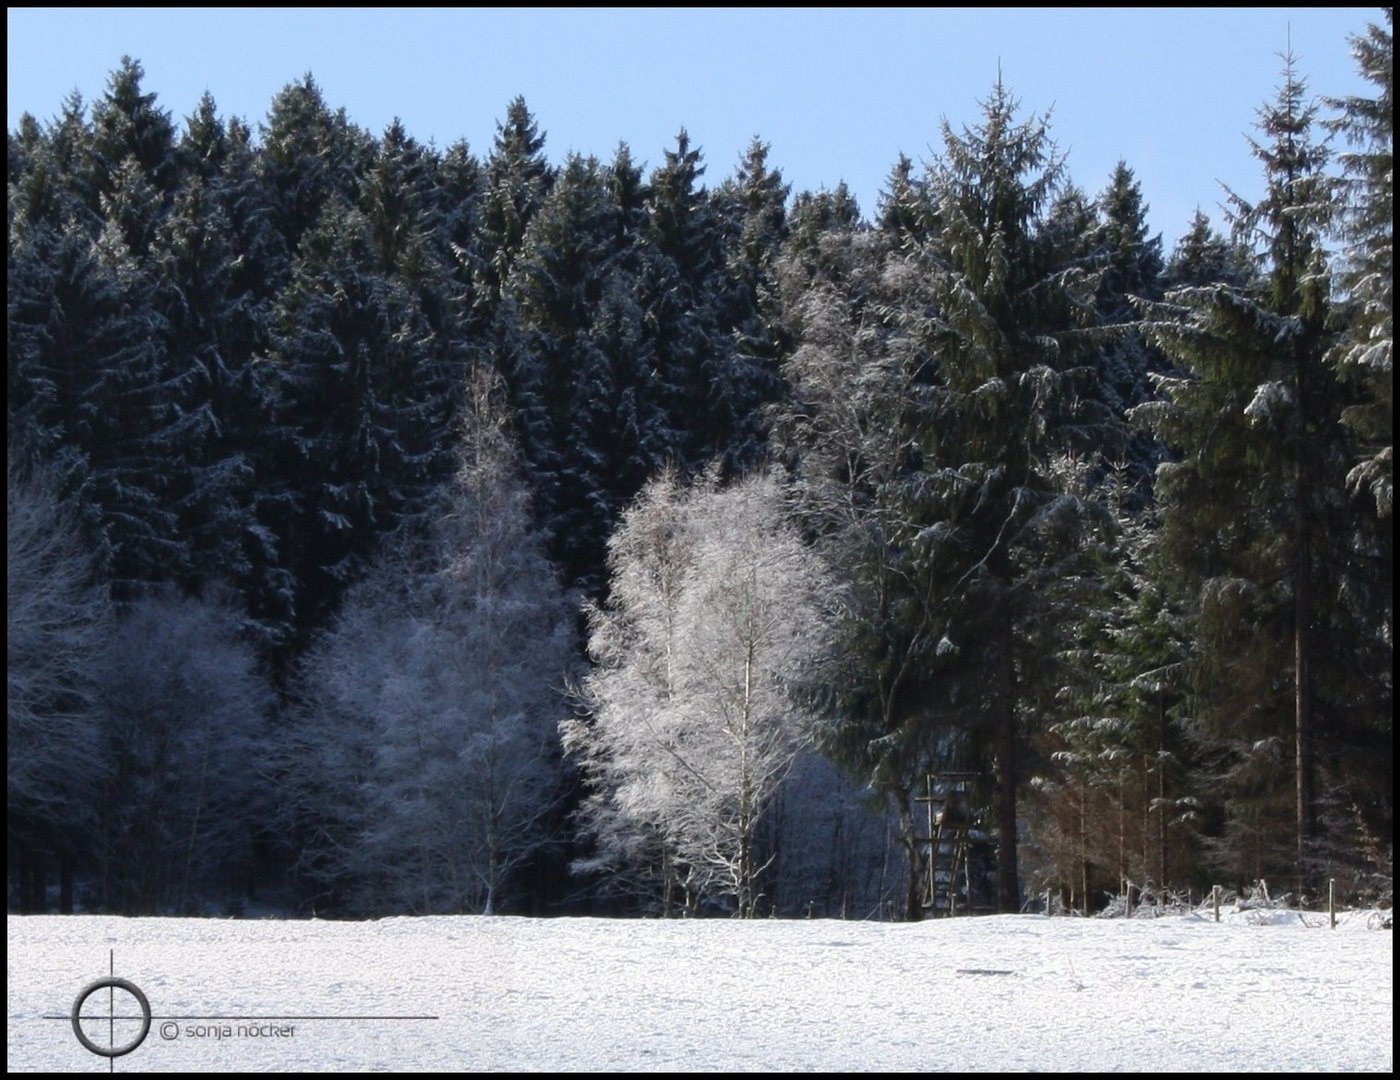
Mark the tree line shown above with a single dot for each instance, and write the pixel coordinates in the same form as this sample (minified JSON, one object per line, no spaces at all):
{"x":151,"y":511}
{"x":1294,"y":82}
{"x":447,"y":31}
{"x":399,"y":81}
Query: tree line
{"x":394,"y":529}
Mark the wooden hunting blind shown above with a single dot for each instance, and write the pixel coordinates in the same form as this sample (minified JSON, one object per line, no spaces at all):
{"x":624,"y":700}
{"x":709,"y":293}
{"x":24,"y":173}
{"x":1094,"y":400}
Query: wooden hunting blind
{"x":948,"y":800}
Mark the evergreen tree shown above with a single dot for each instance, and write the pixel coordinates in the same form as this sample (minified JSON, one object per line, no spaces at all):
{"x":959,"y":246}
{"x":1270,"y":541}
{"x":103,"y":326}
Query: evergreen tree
{"x":457,"y":197}
{"x":1250,"y":509}
{"x":48,"y":170}
{"x":1203,"y":257}
{"x":309,"y":155}
{"x":396,"y":197}
{"x":516,"y":182}
{"x":73,"y":152}
{"x":555,"y":285}
{"x":753,"y":210}
{"x":204,"y":146}
{"x":679,"y":287}
{"x":1364,"y":358}
{"x":213,"y":255}
{"x":90,"y":384}
{"x":1103,"y":243}
{"x":362,"y":410}
{"x":134,"y":161}
{"x":575,"y":364}
{"x":518,"y":177}
{"x":1133,"y":267}
{"x":1116,"y":802}
{"x":627,"y":410}
{"x":904,"y":214}
{"x":980,"y":401}
{"x":1365,"y":354}
{"x":236,"y":302}
{"x":127,"y":125}
{"x":133,"y":208}
{"x":998,"y":512}
{"x":814,"y":213}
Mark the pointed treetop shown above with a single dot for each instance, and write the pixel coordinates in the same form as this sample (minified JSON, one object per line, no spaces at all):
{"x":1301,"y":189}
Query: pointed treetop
{"x":1003,"y":171}
{"x":518,"y":137}
{"x":127,"y":123}
{"x":1284,"y":228}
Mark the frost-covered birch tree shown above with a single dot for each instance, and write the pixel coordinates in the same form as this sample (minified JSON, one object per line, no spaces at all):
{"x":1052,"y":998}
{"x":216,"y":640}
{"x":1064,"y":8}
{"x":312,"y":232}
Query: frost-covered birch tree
{"x":423,"y":764}
{"x":716,"y":607}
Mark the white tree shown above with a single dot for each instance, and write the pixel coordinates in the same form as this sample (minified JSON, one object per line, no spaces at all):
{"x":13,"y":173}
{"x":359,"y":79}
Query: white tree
{"x":55,"y":617}
{"x":625,"y":745}
{"x":716,"y":605}
{"x":424,"y":765}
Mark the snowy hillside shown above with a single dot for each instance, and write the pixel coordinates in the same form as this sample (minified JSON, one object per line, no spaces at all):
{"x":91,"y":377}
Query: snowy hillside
{"x":1258,"y":992}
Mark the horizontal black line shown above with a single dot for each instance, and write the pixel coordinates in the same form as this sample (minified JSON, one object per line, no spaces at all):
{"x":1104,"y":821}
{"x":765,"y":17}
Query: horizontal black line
{"x":295,"y":1017}
{"x":86,"y":1019}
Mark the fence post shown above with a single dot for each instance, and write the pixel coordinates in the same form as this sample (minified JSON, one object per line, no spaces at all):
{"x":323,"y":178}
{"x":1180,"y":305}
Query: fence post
{"x":1215,"y":899}
{"x":1332,"y":901}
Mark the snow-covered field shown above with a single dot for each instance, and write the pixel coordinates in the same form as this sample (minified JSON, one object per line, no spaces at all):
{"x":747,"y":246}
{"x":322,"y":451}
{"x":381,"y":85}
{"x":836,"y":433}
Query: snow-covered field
{"x":1260,"y":991}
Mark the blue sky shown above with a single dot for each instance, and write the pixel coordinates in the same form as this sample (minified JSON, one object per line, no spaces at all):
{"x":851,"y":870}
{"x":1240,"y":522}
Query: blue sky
{"x":838,"y":94}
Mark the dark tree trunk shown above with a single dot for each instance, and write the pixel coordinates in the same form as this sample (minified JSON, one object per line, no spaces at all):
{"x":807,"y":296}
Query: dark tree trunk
{"x":1008,"y":886}
{"x":1303,"y":711}
{"x":908,"y":839}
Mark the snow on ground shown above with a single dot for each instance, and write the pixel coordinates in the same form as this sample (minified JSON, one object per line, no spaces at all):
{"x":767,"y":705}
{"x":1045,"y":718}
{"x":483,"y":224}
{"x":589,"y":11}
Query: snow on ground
{"x":1260,"y":991}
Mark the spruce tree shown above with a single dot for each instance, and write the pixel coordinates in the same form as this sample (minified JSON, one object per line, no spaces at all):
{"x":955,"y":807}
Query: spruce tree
{"x":1115,"y":796}
{"x":995,"y":517}
{"x":1203,"y":257}
{"x":938,"y":393}
{"x":1133,"y":267}
{"x":127,"y":124}
{"x":90,"y":384}
{"x":1365,"y":354}
{"x":753,"y":211}
{"x":680,"y":285}
{"x":1364,"y":358}
{"x":216,"y":396}
{"x":361,"y":411}
{"x":308,"y":156}
{"x":904,"y":212}
{"x":556,"y":286}
{"x":1250,"y":508}
{"x":517,"y":179}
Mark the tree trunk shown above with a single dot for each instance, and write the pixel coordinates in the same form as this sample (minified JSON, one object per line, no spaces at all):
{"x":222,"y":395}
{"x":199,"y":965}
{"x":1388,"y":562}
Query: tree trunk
{"x":1008,"y":887}
{"x":1162,"y":791}
{"x":1302,"y":701}
{"x":908,"y":839}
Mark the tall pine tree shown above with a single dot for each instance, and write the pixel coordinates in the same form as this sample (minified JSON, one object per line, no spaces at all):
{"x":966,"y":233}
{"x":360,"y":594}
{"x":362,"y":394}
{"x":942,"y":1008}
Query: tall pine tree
{"x":1250,"y":509}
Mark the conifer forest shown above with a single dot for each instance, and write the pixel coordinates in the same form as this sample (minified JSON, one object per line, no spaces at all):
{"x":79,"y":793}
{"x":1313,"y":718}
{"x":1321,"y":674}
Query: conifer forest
{"x":396,"y":529}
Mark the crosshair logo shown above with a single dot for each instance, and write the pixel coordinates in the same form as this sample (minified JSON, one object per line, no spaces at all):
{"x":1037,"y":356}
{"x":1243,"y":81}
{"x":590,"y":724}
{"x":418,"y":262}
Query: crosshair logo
{"x":120,"y":995}
{"x":112,"y":1017}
